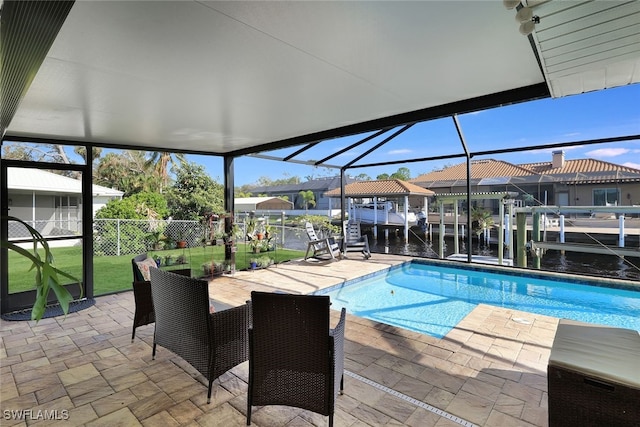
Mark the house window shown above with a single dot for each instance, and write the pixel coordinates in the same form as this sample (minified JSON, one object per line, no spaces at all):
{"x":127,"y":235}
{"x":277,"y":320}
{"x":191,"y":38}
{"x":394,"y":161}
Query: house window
{"x":605,"y":197}
{"x":66,"y":201}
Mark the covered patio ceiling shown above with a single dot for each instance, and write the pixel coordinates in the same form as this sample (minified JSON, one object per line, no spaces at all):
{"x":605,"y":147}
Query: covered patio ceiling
{"x":233,"y":78}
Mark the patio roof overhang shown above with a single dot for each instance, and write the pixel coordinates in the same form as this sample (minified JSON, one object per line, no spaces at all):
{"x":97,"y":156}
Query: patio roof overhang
{"x":233,"y":78}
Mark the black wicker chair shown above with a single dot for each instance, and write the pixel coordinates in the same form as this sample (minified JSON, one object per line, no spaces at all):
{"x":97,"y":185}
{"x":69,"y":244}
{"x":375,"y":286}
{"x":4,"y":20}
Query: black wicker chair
{"x":294,"y":358}
{"x":212,"y":343}
{"x":144,"y":314}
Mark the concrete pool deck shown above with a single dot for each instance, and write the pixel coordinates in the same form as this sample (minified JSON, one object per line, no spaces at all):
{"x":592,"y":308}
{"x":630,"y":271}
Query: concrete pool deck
{"x":490,"y":370}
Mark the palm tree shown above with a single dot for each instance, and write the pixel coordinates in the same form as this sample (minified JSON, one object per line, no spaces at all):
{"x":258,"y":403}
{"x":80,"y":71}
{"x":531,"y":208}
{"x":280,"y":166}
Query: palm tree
{"x":160,"y":161}
{"x":481,"y":219}
{"x":308,"y":198}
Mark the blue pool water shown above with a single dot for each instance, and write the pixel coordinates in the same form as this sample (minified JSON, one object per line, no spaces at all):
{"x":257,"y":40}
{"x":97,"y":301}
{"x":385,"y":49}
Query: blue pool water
{"x":432,"y":299}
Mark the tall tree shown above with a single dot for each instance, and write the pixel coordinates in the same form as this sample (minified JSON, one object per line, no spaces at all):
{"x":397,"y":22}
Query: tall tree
{"x":144,"y":205}
{"x":81,"y":151}
{"x":162,"y":162}
{"x":308,"y":198}
{"x":126,"y":171}
{"x":402,"y":173}
{"x":52,"y":153}
{"x":194,"y":194}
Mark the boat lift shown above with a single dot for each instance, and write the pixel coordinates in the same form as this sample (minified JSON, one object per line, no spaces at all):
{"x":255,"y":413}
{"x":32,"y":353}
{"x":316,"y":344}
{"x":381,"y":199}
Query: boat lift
{"x":507,"y":199}
{"x":537,"y":247}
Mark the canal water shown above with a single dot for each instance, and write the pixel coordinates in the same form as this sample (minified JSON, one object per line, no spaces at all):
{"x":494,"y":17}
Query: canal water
{"x":570,"y":262}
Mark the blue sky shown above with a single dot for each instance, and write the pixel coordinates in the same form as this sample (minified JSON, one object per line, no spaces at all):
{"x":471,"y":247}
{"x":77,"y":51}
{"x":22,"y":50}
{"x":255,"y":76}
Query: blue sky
{"x":601,"y":114}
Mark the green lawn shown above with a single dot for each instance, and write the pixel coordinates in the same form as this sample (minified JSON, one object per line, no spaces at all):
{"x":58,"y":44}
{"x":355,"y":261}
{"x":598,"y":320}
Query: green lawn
{"x":113,"y":273}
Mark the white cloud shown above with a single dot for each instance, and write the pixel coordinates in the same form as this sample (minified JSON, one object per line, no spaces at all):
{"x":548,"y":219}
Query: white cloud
{"x":632,"y":165}
{"x":400,"y":151}
{"x":607,"y":152}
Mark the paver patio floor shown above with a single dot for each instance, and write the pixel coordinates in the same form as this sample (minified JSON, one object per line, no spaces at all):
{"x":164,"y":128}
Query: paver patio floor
{"x":490,"y":370}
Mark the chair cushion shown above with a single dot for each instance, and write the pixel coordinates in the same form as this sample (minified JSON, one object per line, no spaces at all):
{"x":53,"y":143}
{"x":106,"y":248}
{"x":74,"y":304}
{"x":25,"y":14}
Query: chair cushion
{"x":144,"y":267}
{"x":599,"y":351}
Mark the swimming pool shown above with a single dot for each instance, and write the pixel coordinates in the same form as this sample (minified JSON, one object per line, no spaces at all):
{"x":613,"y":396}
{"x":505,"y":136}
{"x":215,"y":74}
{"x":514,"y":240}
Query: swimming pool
{"x":432,"y":299}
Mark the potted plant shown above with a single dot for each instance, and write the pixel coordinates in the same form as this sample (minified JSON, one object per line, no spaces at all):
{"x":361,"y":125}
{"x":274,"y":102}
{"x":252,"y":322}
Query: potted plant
{"x":207,"y":269}
{"x":47,"y":276}
{"x":181,"y":242}
{"x":268,"y":231}
{"x":157,"y":239}
{"x":264,"y":261}
{"x":255,"y":245}
{"x":218,"y":268}
{"x":169,"y":243}
{"x":218,"y":237}
{"x":182,"y":259}
{"x":253,"y":263}
{"x":168,"y":260}
{"x":158,"y":259}
{"x":184,"y":233}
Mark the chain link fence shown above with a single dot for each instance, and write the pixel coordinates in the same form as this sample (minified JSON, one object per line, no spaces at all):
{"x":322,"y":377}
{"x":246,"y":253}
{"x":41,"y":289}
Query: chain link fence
{"x":115,"y":237}
{"x":48,"y":228}
{"x":129,"y":236}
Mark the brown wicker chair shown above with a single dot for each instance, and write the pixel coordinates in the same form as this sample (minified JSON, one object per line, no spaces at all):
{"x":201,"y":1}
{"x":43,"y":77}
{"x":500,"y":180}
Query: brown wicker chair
{"x":294,"y":358}
{"x":212,"y":343}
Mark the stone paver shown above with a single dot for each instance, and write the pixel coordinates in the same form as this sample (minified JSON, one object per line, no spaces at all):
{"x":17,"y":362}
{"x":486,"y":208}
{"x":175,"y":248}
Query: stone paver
{"x":489,"y":370}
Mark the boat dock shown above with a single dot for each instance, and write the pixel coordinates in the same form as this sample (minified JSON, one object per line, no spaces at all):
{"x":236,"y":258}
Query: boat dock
{"x":481,"y":259}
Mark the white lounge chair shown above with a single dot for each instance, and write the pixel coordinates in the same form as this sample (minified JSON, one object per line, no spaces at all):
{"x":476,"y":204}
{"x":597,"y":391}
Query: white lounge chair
{"x":320,"y":246}
{"x":354,"y":241}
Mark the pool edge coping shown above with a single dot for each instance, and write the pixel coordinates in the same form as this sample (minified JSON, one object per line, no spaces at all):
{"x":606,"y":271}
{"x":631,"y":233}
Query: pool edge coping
{"x":605,"y":282}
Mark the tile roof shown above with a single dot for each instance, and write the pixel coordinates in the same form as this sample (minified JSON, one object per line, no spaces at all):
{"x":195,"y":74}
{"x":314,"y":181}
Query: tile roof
{"x":386,"y":187}
{"x":579,"y":166}
{"x":488,"y":168}
{"x":490,"y":171}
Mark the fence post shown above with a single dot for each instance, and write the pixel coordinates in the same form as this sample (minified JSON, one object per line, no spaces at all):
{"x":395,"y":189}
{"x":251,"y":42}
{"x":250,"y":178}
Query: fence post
{"x":118,"y":237}
{"x":282,"y":234}
{"x":521,"y":238}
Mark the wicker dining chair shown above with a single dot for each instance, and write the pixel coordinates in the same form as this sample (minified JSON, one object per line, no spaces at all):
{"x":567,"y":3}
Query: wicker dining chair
{"x":295,"y":359}
{"x":144,"y":314}
{"x":212,"y":343}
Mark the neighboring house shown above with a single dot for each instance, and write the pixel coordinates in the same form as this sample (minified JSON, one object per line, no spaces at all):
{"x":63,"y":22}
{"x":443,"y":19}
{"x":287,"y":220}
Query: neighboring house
{"x":319,"y":187}
{"x":248,"y":204}
{"x":52,"y":202}
{"x":582,"y":182}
